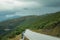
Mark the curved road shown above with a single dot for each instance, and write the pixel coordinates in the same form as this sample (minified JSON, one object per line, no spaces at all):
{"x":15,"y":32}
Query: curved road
{"x":37,"y":36}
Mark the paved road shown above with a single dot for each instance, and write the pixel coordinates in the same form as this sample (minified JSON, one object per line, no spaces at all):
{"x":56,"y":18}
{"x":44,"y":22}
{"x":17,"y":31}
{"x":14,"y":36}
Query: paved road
{"x":37,"y":36}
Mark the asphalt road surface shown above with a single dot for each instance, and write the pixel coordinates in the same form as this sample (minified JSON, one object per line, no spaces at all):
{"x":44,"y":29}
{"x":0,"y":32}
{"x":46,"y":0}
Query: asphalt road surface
{"x":37,"y":36}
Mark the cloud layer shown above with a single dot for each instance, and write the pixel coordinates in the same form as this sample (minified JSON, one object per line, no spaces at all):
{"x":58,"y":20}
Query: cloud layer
{"x":12,"y":4}
{"x":15,"y":4}
{"x":13,"y":8}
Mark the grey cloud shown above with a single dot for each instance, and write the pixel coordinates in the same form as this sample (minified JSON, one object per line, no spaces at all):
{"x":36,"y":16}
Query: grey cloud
{"x":48,"y":3}
{"x":55,"y":3}
{"x":46,"y":6}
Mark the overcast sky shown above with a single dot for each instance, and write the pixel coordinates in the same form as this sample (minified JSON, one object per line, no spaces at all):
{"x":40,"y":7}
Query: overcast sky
{"x":13,"y":8}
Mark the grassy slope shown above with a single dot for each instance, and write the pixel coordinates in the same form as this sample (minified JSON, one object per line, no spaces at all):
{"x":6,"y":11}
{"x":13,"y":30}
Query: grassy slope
{"x":47,"y":24}
{"x":18,"y":37}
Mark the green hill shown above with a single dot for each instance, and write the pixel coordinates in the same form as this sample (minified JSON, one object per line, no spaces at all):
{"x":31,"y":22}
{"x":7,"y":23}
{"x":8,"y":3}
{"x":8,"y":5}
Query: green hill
{"x":48,"y":24}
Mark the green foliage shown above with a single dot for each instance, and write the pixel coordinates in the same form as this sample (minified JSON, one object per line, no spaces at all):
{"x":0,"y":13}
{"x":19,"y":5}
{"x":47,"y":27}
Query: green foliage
{"x":48,"y":21}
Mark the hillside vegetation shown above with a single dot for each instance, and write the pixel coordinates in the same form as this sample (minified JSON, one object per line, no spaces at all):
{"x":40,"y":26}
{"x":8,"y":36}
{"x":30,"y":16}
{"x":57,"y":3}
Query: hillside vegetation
{"x":47,"y":24}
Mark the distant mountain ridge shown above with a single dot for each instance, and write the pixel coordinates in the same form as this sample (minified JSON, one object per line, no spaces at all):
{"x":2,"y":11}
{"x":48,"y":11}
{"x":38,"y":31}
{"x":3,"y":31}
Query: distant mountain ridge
{"x":47,"y":24}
